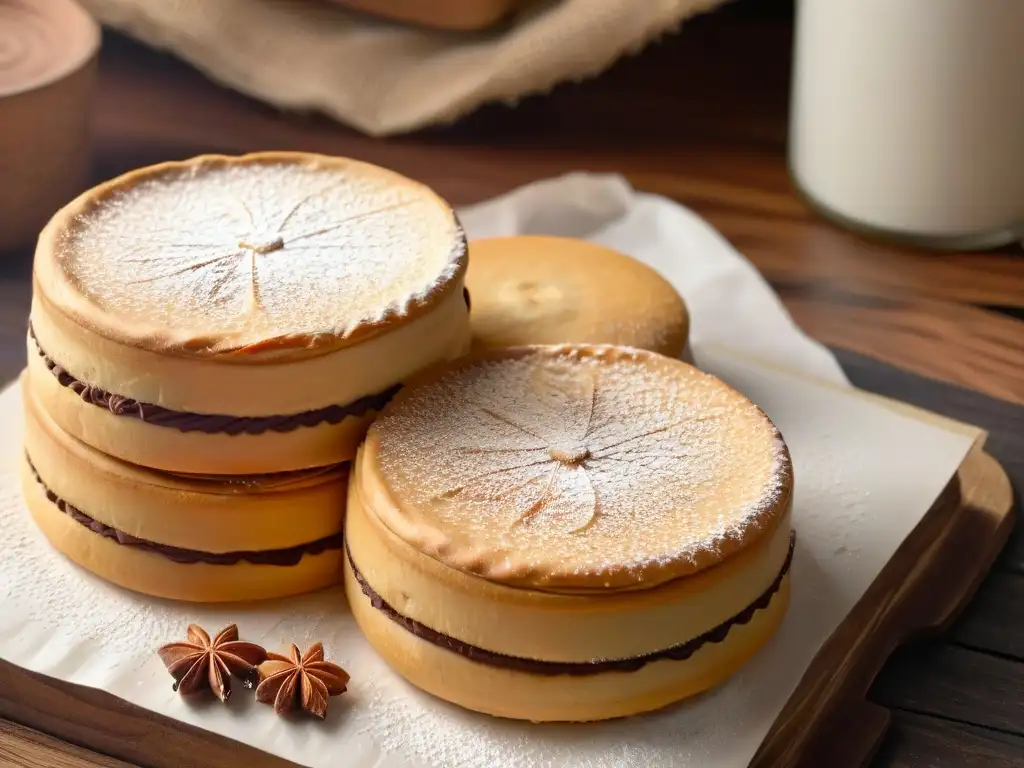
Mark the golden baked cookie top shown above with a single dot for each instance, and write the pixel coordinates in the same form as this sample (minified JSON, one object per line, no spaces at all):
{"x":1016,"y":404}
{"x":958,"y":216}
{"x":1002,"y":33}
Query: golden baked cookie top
{"x":576,"y":468}
{"x":269,"y":253}
{"x":540,"y":289}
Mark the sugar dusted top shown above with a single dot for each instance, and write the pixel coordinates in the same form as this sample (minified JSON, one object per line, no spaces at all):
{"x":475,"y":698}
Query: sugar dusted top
{"x":566,"y":467}
{"x":252,"y":254}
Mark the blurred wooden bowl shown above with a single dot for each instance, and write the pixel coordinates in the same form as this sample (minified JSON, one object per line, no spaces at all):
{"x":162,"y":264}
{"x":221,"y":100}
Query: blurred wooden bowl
{"x":464,"y":15}
{"x":47,"y":71}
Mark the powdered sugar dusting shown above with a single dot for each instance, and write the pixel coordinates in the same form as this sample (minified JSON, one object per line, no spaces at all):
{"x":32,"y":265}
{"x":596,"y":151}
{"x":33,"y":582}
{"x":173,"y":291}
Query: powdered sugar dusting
{"x":559,"y":464}
{"x":250,"y":251}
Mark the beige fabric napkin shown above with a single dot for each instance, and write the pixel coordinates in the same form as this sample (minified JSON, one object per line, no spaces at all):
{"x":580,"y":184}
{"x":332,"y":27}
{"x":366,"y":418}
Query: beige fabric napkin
{"x":382,"y":77}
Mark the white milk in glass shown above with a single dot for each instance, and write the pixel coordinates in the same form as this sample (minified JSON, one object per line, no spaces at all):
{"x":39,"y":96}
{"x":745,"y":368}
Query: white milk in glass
{"x":908,"y":117}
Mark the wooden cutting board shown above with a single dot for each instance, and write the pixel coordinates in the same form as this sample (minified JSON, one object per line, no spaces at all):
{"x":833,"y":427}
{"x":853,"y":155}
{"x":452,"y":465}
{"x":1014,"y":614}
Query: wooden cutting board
{"x":828,"y":720}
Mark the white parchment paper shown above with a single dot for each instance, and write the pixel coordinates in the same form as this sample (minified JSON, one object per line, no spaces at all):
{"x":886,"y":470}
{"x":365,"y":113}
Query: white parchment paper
{"x":865,"y":474}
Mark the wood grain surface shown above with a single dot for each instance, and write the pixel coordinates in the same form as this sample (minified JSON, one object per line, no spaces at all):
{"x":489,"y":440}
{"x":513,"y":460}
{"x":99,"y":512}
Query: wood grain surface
{"x":700,"y":117}
{"x":22,"y":747}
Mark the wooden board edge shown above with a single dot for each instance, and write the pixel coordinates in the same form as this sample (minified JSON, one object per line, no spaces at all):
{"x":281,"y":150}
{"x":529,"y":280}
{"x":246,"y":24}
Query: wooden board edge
{"x":101,"y":722}
{"x":970,"y":522}
{"x":22,"y":747}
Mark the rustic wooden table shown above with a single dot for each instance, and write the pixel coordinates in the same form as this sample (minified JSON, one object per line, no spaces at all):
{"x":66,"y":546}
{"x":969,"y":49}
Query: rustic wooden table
{"x":701,"y":118}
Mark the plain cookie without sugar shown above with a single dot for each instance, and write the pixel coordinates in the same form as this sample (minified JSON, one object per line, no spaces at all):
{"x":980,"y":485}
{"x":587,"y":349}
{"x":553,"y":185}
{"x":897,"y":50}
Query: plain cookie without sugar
{"x":534,"y":289}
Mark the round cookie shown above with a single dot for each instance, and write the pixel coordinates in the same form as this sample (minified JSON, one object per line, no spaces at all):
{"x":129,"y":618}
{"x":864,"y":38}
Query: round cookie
{"x":242,"y":315}
{"x":185,"y":537}
{"x":533,"y":289}
{"x":606,"y":532}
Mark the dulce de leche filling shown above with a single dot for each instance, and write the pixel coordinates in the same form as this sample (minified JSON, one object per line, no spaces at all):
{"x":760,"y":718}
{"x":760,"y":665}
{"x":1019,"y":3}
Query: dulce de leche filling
{"x":680,"y":652}
{"x":279,"y":557}
{"x":185,"y":421}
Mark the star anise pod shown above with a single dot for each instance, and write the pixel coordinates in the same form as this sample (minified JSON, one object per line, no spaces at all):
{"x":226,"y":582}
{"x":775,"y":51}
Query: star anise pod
{"x":201,"y":663}
{"x":300,"y":680}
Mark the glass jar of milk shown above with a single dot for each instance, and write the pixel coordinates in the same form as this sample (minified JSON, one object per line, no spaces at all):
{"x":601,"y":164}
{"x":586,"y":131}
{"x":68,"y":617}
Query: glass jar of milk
{"x":907,"y":118}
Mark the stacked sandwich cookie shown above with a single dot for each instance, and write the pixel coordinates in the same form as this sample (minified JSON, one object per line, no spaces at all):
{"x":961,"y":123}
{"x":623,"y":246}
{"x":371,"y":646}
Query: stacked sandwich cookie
{"x":607,"y":532}
{"x":182,"y":536}
{"x":209,"y":341}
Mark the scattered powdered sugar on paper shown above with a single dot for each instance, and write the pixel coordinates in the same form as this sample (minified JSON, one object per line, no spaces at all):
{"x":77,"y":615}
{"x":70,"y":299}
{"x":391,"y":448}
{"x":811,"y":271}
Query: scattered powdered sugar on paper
{"x":438,"y":734}
{"x":268,"y":249}
{"x":44,"y":603}
{"x":571,"y":463}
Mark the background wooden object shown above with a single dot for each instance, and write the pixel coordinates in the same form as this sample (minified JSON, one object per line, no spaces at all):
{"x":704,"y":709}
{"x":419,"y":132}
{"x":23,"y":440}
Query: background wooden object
{"x":439,"y":14}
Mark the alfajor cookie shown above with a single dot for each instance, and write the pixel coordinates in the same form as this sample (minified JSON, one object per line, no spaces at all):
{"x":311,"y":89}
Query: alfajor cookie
{"x":604,"y":531}
{"x":186,"y":537}
{"x":533,"y":289}
{"x":239,"y":315}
